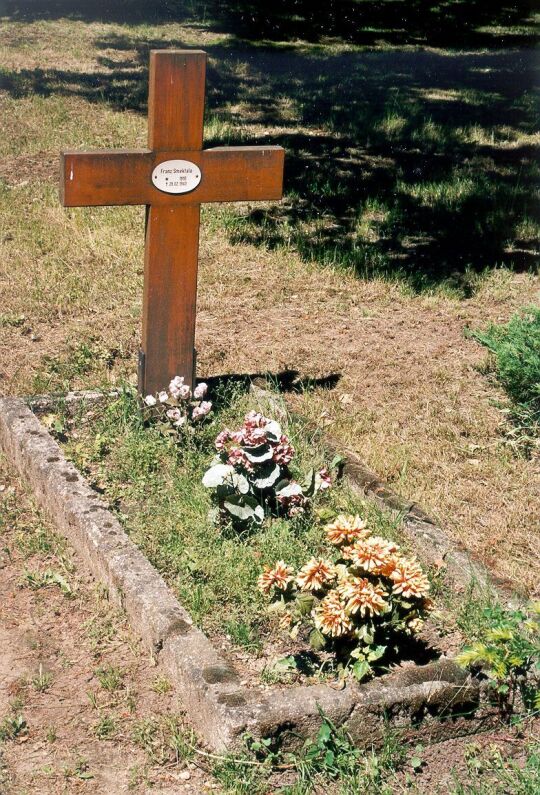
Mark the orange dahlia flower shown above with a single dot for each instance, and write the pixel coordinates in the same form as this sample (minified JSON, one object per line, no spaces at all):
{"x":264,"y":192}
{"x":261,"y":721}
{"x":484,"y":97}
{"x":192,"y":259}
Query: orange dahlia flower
{"x":316,"y":573}
{"x":278,"y":577}
{"x":330,"y":617}
{"x":374,"y":554}
{"x":409,"y":579}
{"x":362,"y":596}
{"x":346,"y":529}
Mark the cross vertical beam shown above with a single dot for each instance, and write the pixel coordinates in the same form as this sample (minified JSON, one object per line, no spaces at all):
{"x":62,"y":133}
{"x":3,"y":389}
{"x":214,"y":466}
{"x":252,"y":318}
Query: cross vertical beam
{"x":175,"y":122}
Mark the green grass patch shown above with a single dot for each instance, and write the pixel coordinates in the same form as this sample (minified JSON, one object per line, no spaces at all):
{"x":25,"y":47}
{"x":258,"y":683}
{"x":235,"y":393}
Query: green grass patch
{"x":155,"y":488}
{"x":515,"y":363}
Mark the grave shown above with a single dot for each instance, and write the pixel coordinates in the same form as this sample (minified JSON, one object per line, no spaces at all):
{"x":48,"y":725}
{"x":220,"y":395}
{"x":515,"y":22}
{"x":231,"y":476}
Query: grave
{"x":172,"y":178}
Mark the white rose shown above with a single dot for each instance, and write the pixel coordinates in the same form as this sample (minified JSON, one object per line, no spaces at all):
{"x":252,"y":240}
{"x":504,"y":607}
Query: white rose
{"x":200,"y":391}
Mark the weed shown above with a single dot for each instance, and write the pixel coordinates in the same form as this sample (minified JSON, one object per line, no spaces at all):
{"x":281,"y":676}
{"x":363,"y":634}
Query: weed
{"x":105,"y":728}
{"x":110,"y":678}
{"x":79,"y":770}
{"x":46,"y":579}
{"x":508,"y":651}
{"x":12,"y":727}
{"x":515,"y":349}
{"x":162,"y":738}
{"x":161,"y":685}
{"x":42,"y":681}
{"x":494,"y":775}
{"x":51,"y":734}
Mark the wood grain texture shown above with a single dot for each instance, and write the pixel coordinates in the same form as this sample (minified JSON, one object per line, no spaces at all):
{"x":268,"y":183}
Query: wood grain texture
{"x":170,"y":295}
{"x":116,"y":177}
{"x":176,"y":99}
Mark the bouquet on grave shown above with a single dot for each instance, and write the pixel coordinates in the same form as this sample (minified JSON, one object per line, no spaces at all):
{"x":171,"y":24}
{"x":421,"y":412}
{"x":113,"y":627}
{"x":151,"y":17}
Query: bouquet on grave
{"x":177,"y":408}
{"x":251,"y":474}
{"x":360,"y":607}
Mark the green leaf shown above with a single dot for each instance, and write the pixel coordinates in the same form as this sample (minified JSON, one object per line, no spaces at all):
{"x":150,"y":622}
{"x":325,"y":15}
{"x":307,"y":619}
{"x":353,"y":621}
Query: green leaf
{"x":267,"y":476}
{"x":416,"y":763}
{"x":259,"y":454}
{"x":272,"y":430}
{"x":329,"y":758}
{"x":308,"y":485}
{"x":317,"y":641}
{"x":361,"y":669}
{"x":376,"y":653}
{"x":325,"y":732}
{"x":305,"y":603}
{"x":217,"y":475}
{"x":244,"y":507}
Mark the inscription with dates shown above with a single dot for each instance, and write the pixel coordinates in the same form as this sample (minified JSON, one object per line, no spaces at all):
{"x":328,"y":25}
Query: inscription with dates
{"x":176,"y":176}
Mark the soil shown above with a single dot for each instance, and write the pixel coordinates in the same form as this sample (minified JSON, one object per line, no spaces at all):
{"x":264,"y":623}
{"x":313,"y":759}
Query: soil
{"x":44,"y":634}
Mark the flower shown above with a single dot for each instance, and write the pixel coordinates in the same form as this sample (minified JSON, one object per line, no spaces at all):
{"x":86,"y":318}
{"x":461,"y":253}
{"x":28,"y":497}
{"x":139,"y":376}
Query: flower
{"x":278,"y":577}
{"x":163,"y":396}
{"x":316,"y":573}
{"x":330,"y":617}
{"x":283,"y":451}
{"x":174,"y":414}
{"x":200,"y":391}
{"x":360,"y":595}
{"x":222,"y":438}
{"x":409,"y":579}
{"x":346,"y":529}
{"x":293,"y":504}
{"x":255,"y":419}
{"x":202,"y":410}
{"x":179,"y":390}
{"x":373,"y":554}
{"x":324,"y":481}
{"x":150,"y":400}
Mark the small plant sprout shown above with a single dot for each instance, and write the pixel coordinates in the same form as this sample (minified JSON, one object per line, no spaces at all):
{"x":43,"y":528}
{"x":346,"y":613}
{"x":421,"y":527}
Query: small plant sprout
{"x":508,"y":652}
{"x":42,"y":681}
{"x":177,"y":409}
{"x":252,"y":477}
{"x":357,"y":603}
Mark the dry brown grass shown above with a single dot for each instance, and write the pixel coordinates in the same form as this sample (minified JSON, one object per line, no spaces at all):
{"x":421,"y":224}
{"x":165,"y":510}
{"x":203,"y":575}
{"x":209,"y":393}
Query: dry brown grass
{"x":410,"y":399}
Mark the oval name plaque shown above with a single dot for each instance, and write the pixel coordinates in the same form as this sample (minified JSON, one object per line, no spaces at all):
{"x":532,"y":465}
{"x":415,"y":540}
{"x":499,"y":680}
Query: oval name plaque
{"x":176,"y":176}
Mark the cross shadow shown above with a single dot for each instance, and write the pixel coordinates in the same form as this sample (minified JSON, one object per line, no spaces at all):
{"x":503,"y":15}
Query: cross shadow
{"x":220,"y":387}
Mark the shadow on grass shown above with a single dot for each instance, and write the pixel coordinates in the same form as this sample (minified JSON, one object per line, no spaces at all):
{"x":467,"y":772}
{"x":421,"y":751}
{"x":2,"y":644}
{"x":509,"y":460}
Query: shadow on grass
{"x":418,"y":166}
{"x":368,"y":22}
{"x":221,"y":387}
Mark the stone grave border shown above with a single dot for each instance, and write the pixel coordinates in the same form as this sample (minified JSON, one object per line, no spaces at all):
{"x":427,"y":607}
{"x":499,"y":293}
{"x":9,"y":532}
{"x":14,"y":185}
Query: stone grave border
{"x":431,"y":702}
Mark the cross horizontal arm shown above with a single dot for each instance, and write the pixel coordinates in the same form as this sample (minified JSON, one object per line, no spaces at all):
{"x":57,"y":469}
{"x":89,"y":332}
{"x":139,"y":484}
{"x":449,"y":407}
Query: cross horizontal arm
{"x":114,"y":177}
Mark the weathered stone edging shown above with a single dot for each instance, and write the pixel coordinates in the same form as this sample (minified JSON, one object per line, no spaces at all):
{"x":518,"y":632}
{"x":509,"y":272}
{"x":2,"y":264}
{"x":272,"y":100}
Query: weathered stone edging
{"x":208,"y":687}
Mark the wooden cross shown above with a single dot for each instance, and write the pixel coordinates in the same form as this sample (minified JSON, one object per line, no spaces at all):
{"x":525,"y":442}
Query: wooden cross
{"x":172,"y":178}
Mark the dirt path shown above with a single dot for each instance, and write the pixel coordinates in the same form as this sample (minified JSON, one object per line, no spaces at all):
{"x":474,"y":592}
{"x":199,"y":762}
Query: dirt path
{"x":98,"y":715}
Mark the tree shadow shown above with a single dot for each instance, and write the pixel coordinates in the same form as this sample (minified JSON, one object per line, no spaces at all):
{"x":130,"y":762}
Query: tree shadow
{"x":419,"y":166}
{"x":369,"y":22}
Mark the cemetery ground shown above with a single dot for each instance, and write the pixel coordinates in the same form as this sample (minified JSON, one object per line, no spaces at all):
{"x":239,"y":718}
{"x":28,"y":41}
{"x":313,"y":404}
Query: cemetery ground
{"x":407,"y":218}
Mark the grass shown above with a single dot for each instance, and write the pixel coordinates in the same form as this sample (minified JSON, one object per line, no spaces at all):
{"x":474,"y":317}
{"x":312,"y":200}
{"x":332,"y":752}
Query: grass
{"x":157,"y":493}
{"x":515,"y":364}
